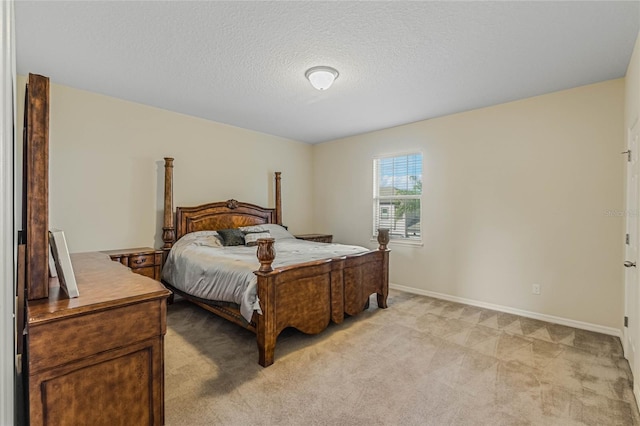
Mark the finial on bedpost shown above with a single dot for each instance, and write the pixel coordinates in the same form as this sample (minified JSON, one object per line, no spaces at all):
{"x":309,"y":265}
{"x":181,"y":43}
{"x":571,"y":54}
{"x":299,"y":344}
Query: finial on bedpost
{"x":168,"y":230}
{"x":278,"y":200}
{"x":383,"y":238}
{"x":266,"y":253}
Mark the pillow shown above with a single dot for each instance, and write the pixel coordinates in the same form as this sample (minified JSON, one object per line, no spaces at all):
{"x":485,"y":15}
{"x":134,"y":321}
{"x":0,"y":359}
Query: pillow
{"x":252,"y":238}
{"x":231,"y":237}
{"x":201,"y":238}
{"x":278,"y":232}
{"x":209,"y":241}
{"x":253,"y":229}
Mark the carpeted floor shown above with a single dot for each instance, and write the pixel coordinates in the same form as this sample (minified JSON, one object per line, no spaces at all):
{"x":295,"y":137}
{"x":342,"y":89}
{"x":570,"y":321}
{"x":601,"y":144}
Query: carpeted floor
{"x":422,"y":361}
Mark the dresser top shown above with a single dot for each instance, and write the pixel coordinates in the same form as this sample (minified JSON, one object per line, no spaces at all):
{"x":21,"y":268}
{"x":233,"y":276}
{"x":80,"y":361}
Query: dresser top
{"x":102,"y":284}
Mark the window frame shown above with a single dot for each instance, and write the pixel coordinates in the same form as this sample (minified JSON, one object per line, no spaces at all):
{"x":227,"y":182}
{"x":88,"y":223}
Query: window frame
{"x":395,"y":237}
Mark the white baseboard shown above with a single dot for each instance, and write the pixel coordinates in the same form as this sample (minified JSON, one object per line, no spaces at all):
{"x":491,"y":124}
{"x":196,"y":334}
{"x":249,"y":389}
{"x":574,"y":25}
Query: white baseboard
{"x":534,"y":315}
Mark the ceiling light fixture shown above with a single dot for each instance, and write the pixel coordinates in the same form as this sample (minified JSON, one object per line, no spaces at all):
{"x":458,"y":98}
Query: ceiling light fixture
{"x":321,"y":77}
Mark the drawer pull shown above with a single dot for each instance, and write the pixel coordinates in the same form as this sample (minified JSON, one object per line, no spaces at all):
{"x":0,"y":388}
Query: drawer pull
{"x":139,"y":261}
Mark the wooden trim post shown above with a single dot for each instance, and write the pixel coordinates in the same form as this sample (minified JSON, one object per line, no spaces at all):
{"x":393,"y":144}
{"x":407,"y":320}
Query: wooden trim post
{"x":36,"y":176}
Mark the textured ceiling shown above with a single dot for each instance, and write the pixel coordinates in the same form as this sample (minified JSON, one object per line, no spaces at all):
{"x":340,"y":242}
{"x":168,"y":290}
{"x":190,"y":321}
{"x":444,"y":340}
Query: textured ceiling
{"x":243,"y":63}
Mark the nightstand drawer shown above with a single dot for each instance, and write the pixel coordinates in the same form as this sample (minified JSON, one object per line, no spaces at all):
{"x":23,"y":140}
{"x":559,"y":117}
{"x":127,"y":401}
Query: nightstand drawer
{"x":149,"y":271}
{"x":141,"y":261}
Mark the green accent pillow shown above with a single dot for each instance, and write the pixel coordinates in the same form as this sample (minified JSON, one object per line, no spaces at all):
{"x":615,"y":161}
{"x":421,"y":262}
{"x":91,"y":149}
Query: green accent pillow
{"x":231,"y":237}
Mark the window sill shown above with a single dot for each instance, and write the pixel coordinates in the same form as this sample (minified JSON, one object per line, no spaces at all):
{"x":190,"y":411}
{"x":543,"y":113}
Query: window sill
{"x":400,"y":242}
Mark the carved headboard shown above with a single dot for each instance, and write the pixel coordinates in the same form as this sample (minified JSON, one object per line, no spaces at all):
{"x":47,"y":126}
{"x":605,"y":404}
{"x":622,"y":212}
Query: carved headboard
{"x":221,"y":215}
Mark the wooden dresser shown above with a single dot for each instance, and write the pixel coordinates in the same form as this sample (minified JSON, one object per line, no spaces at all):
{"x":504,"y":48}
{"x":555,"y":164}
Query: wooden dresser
{"x":98,"y":359}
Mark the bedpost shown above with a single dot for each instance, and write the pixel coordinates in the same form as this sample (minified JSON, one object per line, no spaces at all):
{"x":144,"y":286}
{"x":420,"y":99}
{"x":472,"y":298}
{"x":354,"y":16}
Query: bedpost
{"x":266,"y":325}
{"x":383,"y":293}
{"x":266,"y":253}
{"x":278,"y":200}
{"x":383,"y":238}
{"x":168,"y":230}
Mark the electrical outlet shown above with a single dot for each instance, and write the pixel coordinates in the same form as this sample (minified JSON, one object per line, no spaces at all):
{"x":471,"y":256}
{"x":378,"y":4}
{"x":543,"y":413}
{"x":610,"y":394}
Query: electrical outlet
{"x":535,"y":289}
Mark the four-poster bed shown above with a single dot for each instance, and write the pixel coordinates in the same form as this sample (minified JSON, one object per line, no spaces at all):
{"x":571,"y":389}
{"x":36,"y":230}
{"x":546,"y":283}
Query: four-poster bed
{"x":306,"y":296}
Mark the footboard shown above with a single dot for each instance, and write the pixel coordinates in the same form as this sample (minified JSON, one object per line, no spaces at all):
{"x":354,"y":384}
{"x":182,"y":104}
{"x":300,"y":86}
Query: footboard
{"x":308,"y":296}
{"x":299,"y":296}
{"x":364,"y":275}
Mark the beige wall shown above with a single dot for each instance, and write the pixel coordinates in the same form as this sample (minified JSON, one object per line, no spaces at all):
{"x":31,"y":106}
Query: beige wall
{"x":514,"y":194}
{"x":107,"y":175}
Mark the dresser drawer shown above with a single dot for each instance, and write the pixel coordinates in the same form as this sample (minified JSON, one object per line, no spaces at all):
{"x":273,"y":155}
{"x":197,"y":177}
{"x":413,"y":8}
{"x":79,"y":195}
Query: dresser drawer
{"x":94,"y":332}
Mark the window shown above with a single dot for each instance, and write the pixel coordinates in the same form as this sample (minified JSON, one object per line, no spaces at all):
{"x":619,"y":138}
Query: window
{"x":397,"y":196}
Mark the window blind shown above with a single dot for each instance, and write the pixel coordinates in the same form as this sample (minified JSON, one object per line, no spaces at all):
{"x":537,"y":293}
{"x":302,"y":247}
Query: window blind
{"x":397,"y":195}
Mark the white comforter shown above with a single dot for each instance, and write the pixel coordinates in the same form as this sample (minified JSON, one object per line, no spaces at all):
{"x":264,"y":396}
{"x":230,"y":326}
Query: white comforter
{"x":200,"y":266}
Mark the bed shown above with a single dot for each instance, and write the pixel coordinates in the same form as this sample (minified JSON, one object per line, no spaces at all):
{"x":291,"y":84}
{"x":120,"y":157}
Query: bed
{"x":307,"y":296}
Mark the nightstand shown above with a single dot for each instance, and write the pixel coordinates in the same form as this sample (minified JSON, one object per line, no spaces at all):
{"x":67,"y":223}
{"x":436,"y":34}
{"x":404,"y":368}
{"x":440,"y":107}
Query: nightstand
{"x":318,"y":238}
{"x":142,"y":260}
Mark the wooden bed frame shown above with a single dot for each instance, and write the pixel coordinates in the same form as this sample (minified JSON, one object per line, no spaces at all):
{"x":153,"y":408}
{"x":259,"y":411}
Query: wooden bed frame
{"x":305,"y":296}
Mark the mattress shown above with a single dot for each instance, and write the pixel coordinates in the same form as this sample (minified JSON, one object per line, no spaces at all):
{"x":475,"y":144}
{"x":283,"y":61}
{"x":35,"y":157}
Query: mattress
{"x":199,"y":265}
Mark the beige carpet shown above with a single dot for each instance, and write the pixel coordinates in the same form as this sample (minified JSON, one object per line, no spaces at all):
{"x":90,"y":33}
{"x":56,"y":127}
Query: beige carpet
{"x":422,"y":361}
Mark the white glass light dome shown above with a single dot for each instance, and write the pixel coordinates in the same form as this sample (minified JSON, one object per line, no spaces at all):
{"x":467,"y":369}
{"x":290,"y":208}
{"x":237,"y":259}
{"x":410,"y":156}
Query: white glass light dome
{"x":321,"y":77}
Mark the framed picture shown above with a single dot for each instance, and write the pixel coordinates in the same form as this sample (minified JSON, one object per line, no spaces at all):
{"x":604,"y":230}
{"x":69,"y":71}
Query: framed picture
{"x":62,"y":261}
{"x":52,"y":264}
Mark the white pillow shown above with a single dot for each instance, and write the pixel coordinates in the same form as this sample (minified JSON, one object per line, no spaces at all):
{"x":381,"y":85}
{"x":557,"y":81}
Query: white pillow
{"x":252,"y":238}
{"x":212,"y":241}
{"x":204,"y":238}
{"x":252,"y":229}
{"x":278,"y":232}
